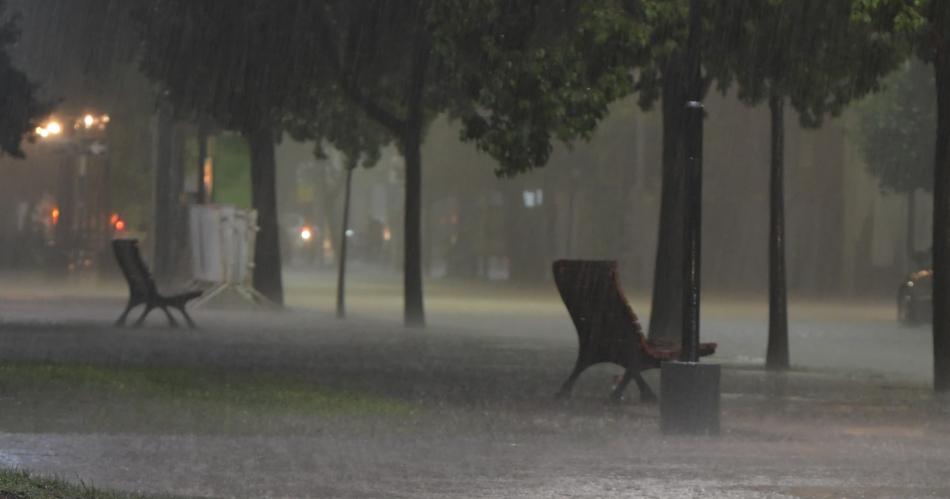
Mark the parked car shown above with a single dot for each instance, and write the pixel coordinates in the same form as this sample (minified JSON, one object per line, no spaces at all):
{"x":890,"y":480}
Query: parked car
{"x":915,"y":298}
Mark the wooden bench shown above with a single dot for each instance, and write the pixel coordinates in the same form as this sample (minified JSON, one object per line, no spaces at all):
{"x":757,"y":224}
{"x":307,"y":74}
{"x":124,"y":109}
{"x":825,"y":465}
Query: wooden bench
{"x":142,"y":289}
{"x":607,"y":328}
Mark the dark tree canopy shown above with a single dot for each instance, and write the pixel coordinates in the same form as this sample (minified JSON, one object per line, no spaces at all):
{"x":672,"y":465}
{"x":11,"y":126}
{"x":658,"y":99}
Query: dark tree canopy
{"x":526,"y":75}
{"x":896,"y":131}
{"x":518,"y":75}
{"x":334,"y":122}
{"x":811,"y":52}
{"x":20,"y":108}
{"x":243,"y":64}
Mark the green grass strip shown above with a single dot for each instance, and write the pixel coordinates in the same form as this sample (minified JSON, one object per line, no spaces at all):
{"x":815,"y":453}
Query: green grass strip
{"x":22,"y":485}
{"x":182,"y":386}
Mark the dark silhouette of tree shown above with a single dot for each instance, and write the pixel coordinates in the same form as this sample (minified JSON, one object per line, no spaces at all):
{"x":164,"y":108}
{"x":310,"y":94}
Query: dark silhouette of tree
{"x":333,"y":122}
{"x":20,"y":109}
{"x":241,"y":64}
{"x":663,"y":71}
{"x":924,"y":29}
{"x":896,"y":130}
{"x":517,"y":75}
{"x":896,"y":135}
{"x":811,"y":54}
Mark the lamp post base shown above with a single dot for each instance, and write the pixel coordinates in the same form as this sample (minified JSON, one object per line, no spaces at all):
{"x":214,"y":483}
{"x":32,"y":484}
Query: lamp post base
{"x":689,"y":398}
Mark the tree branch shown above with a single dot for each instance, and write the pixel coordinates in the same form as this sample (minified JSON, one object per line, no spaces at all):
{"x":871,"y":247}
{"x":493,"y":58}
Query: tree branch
{"x":370,"y":106}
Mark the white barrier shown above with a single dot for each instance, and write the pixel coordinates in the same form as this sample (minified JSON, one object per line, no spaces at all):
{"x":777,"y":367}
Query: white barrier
{"x":204,"y":226}
{"x":222,"y":250}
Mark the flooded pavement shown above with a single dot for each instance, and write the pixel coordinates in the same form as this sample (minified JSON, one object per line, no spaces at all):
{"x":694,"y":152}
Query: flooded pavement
{"x":617,"y":459}
{"x":482,"y":421}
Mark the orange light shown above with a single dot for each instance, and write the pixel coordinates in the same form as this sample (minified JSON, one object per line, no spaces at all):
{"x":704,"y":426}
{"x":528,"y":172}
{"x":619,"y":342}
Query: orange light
{"x":54,"y":216}
{"x":54,"y":128}
{"x":119,"y":225}
{"x":113,"y":219}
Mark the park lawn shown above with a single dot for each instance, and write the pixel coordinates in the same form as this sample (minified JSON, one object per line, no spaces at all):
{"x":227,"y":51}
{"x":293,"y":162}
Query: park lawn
{"x":16,"y":484}
{"x":53,"y":397}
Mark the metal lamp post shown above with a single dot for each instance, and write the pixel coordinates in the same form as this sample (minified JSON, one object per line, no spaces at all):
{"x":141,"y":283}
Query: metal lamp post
{"x":689,"y":391}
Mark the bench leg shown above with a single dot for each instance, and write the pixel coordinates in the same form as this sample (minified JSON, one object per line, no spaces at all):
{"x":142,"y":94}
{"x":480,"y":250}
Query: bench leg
{"x":125,"y":313}
{"x":171,"y":320}
{"x":148,"y":308}
{"x":184,"y":313}
{"x":646,"y":393}
{"x":568,"y":385}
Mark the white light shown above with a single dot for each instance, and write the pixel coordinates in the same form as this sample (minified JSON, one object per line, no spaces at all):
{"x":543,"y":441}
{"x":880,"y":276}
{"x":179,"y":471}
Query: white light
{"x":88,"y":120}
{"x":349,"y":232}
{"x":42,"y":132}
{"x":54,"y":128}
{"x":529,"y":199}
{"x":305,"y":234}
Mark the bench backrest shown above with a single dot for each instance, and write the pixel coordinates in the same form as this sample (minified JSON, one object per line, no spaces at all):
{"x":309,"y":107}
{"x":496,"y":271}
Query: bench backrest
{"x":133,"y":267}
{"x":593,"y":297}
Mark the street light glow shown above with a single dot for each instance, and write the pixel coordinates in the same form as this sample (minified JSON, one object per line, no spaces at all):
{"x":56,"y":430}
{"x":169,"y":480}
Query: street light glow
{"x":53,"y":128}
{"x":88,"y":121}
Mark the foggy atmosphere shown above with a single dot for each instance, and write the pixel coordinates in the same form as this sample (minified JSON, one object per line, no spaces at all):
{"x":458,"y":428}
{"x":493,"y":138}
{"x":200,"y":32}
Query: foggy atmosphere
{"x":474,"y":248}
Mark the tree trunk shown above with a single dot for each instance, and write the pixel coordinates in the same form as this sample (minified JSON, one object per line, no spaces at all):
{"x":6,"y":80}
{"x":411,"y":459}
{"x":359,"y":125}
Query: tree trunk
{"x":202,"y":191}
{"x":414,"y":311}
{"x":941,"y":228}
{"x":427,"y":238}
{"x":511,"y":192}
{"x":777,"y":351}
{"x":911,"y":230}
{"x":341,"y":276}
{"x":267,"y":279}
{"x":161,"y":216}
{"x":169,"y":182}
{"x":571,"y":219}
{"x":462,"y":262}
{"x":666,"y":318}
{"x":328,"y":196}
{"x":550,"y":206}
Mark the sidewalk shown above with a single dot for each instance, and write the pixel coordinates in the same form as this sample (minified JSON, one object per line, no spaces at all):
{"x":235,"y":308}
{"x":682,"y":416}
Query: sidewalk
{"x":484,"y":423}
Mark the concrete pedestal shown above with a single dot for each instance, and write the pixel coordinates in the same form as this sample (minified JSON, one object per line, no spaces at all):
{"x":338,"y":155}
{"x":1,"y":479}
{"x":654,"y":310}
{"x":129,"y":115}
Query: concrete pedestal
{"x":689,"y":398}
